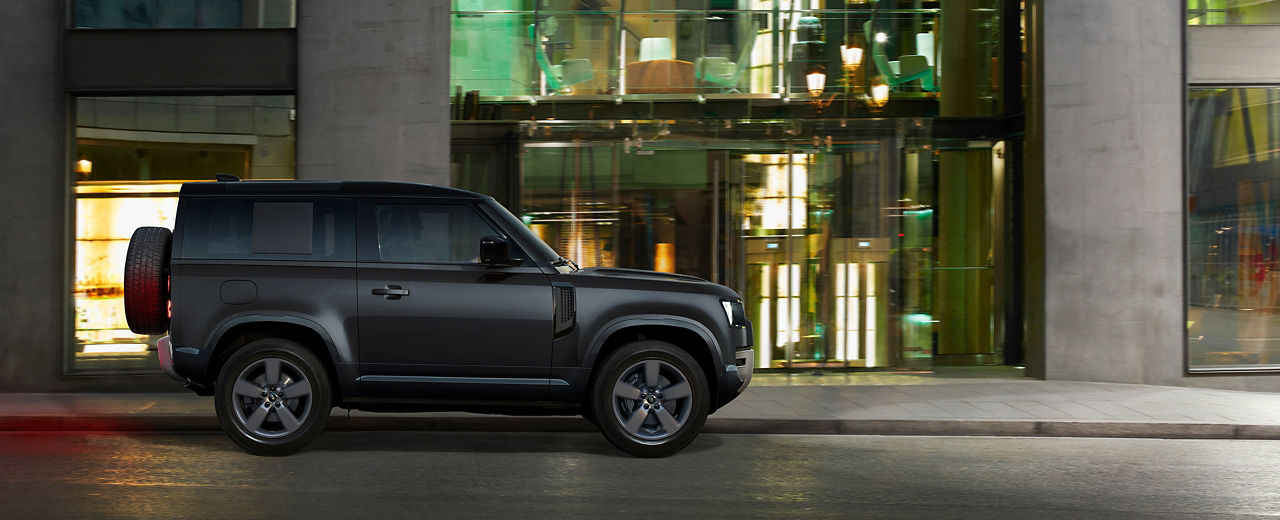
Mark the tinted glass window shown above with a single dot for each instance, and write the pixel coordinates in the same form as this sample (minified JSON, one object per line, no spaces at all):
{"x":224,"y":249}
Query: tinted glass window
{"x":320,"y":229}
{"x":430,"y":233}
{"x":167,"y":14}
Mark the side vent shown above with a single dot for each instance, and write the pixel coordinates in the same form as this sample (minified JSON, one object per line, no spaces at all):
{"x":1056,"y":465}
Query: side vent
{"x":566,"y":308}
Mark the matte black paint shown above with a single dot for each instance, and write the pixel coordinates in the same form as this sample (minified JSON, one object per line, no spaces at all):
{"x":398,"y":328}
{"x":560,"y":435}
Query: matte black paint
{"x":408,"y":336}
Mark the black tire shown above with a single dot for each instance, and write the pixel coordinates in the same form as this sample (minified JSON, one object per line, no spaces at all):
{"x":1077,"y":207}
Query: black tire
{"x":275,"y":433}
{"x":146,"y":280}
{"x":636,"y":425}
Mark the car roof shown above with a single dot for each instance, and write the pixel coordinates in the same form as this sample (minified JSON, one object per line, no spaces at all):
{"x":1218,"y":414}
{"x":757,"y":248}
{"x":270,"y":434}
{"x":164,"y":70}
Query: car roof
{"x":366,"y":188}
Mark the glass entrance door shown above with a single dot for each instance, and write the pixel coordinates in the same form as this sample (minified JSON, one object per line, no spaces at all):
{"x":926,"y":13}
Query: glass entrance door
{"x":816,"y":238}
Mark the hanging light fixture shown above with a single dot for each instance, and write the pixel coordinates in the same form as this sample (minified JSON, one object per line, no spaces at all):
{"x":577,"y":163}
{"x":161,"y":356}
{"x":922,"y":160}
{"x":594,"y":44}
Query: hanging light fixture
{"x":816,"y":81}
{"x":851,"y":58}
{"x":879,"y":95}
{"x":84,"y":167}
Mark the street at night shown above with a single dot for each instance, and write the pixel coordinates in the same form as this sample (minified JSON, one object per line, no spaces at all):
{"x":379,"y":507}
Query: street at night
{"x":579,"y":475}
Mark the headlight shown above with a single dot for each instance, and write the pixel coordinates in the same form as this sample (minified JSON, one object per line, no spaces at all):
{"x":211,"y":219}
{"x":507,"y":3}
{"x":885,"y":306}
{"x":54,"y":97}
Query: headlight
{"x":734,"y":312}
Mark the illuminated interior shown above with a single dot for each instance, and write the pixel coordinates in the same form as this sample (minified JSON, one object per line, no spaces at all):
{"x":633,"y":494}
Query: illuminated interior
{"x":107,"y":214}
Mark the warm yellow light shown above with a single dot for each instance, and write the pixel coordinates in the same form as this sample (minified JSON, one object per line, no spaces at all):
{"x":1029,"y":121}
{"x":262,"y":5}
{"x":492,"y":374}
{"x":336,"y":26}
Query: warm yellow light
{"x":84,"y":166}
{"x":116,"y":348}
{"x":850,"y":56}
{"x":816,"y":81}
{"x":664,"y":257}
{"x":879,"y":95}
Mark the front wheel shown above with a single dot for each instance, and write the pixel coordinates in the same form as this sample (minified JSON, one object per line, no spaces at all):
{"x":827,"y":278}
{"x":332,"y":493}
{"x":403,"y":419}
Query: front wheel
{"x":650,"y":398}
{"x":273,"y":397}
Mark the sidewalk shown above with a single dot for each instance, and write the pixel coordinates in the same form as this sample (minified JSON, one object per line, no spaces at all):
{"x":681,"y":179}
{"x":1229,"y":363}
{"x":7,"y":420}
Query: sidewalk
{"x":842,"y":403}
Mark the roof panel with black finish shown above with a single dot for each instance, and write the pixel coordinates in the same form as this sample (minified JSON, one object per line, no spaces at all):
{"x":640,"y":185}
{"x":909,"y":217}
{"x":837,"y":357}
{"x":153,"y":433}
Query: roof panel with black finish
{"x":369,"y":188}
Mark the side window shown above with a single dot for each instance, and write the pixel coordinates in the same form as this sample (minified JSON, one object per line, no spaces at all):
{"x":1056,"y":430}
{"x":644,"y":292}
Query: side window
{"x":430,"y":233}
{"x":270,"y":229}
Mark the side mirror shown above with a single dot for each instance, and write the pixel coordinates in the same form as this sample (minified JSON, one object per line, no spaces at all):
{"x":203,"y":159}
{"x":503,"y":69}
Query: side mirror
{"x":494,"y":251}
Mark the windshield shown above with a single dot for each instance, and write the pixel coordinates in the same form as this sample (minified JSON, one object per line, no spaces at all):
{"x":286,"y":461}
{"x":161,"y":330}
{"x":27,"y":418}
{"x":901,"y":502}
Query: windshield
{"x":541,"y":250}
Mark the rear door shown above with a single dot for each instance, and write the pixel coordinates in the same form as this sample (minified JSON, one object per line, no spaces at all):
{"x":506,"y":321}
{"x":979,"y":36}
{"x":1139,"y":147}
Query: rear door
{"x":434,"y":322}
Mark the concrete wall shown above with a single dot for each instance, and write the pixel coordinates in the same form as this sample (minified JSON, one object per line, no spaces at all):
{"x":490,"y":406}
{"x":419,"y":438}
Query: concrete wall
{"x":1112,"y":107}
{"x":373,"y":90}
{"x":33,"y":192}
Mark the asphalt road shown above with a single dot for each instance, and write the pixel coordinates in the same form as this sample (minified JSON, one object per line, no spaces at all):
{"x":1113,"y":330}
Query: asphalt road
{"x":375,"y":475}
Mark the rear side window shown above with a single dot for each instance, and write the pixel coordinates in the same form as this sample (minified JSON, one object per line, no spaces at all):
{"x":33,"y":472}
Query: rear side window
{"x":430,"y":233}
{"x":269,"y":229}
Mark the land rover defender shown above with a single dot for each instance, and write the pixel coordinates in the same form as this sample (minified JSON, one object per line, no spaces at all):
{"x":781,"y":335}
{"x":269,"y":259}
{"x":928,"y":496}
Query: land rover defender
{"x":284,"y":299}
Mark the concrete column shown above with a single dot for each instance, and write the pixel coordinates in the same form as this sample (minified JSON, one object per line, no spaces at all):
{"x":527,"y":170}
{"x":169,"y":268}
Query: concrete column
{"x":33,"y":202}
{"x":1111,"y":106}
{"x":373,"y":90}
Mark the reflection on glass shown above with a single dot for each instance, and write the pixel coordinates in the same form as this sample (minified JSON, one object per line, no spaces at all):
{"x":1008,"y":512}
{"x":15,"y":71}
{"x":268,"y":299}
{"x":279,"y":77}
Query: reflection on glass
{"x":1232,"y":12}
{"x":832,"y":247}
{"x":184,"y":14}
{"x":132,"y":155}
{"x":1233,"y":235}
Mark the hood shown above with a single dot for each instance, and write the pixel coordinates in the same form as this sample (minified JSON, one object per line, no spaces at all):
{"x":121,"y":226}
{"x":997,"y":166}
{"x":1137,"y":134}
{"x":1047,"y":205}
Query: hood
{"x":638,"y":274}
{"x":639,"y":279}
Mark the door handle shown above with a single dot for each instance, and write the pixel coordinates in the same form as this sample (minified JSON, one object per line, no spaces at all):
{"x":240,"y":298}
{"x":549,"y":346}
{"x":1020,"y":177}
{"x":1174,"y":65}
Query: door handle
{"x":392,"y":292}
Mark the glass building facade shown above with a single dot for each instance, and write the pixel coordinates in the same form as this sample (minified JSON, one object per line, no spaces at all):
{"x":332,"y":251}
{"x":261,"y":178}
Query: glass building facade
{"x":791,"y":150}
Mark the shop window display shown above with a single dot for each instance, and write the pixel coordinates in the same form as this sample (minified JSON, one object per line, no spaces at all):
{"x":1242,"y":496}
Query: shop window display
{"x":132,"y":156}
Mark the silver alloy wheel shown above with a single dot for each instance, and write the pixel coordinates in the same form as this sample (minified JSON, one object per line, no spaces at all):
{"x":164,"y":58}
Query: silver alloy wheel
{"x":652,"y":400}
{"x":271,"y":398}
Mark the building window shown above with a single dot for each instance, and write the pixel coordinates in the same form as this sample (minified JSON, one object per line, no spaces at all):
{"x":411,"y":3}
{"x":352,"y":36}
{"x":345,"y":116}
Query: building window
{"x":1233,"y":234}
{"x":514,"y":50}
{"x":184,"y":14}
{"x":132,"y":156}
{"x":1232,"y":12}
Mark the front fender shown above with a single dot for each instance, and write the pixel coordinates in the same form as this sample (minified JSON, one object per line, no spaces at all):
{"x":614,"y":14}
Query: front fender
{"x":597,"y":341}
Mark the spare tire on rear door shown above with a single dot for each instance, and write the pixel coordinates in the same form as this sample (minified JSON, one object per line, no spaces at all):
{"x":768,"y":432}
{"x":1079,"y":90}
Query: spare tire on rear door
{"x":146,"y":280}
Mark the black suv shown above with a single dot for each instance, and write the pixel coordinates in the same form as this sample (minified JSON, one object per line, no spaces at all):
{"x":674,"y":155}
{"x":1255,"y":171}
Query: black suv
{"x":283,"y":299}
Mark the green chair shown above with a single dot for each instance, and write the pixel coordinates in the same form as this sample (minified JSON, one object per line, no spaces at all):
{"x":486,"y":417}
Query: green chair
{"x":911,"y":67}
{"x":721,"y":72}
{"x":560,"y":78}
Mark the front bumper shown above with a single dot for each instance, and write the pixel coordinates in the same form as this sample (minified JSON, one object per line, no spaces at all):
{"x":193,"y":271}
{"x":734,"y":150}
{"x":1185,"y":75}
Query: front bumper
{"x":744,"y":361}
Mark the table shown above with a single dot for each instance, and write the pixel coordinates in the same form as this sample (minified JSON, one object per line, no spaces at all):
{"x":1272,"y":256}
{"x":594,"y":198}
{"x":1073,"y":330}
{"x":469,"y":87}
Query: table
{"x":660,"y":77}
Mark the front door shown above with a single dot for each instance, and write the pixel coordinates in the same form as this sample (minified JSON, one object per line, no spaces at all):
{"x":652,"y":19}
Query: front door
{"x":436,"y":323}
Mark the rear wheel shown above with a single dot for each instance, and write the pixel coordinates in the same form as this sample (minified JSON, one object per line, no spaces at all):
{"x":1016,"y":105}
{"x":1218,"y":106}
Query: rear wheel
{"x":650,"y":399}
{"x":272,"y":397}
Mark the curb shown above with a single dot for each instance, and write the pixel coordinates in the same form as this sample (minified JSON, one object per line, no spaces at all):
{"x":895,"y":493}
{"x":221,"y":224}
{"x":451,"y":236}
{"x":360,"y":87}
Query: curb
{"x":913,"y":427}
